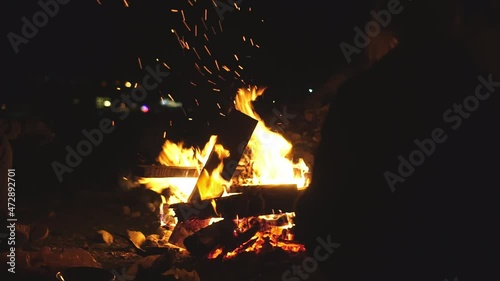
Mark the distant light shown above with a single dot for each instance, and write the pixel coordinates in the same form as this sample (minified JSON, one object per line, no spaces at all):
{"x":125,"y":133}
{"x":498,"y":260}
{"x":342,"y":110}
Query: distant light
{"x":128,"y":84}
{"x":101,"y":102}
{"x":190,"y":119}
{"x":118,"y":88}
{"x":170,"y":103}
{"x":274,"y":101}
{"x":310,"y":90}
{"x":144,"y":109}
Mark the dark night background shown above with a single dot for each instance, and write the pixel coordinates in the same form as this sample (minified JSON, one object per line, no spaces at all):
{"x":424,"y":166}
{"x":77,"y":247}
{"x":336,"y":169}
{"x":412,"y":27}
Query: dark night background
{"x":91,"y":48}
{"x":87,"y":40}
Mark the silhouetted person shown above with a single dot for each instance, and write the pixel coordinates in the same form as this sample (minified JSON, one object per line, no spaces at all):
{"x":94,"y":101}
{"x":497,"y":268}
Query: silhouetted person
{"x":406,"y":175}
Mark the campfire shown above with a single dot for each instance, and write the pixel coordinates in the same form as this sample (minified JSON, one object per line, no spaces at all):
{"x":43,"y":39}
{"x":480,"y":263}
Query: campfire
{"x":236,"y":194}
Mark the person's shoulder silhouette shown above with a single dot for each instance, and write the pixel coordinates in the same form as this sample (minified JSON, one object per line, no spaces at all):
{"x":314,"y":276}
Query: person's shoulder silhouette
{"x":404,"y":164}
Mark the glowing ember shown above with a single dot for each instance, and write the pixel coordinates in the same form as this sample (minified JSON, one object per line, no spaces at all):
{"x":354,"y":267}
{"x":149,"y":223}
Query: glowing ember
{"x":274,"y":233}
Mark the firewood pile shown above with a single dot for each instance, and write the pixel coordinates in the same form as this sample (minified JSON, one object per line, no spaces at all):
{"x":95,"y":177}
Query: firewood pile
{"x":223,"y":226}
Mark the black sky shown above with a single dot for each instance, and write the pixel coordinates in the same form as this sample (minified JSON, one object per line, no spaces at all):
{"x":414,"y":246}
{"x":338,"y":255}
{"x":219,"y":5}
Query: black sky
{"x":85,"y":39}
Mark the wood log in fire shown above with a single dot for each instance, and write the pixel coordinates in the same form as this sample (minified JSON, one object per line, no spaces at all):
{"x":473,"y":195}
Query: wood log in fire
{"x":272,"y":198}
{"x":238,"y":129}
{"x":185,"y":229}
{"x":207,"y":239}
{"x":237,"y":240}
{"x":250,"y":201}
{"x":220,"y":234}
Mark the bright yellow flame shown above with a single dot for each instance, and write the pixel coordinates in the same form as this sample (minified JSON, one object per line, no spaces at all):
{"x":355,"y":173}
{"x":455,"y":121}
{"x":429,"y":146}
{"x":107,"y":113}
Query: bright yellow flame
{"x":179,"y":188}
{"x":176,"y":154}
{"x":212,"y":185}
{"x":268,"y":151}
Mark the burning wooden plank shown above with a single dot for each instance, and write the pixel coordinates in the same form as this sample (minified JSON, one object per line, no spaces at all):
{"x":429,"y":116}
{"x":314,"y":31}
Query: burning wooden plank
{"x":162,"y":171}
{"x":238,"y":130}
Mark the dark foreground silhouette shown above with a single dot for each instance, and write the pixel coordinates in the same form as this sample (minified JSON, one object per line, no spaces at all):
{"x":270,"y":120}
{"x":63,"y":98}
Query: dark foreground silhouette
{"x":406,"y":176}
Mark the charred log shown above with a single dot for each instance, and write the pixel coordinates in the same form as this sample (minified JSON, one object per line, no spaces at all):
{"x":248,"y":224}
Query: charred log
{"x":209,"y":238}
{"x":185,"y":229}
{"x":268,"y":199}
{"x":224,"y":234}
{"x":250,"y":201}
